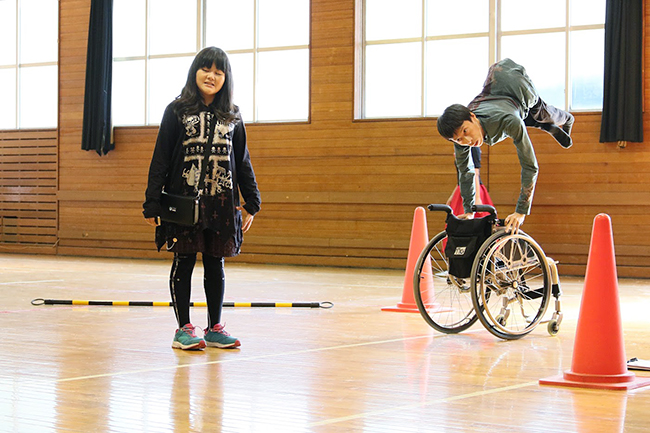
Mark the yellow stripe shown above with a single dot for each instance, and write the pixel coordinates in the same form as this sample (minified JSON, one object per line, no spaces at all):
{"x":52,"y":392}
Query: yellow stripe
{"x":121,"y":303}
{"x":283,"y":304}
{"x":242,"y":304}
{"x":200,"y":304}
{"x":161,"y":304}
{"x":74,"y":302}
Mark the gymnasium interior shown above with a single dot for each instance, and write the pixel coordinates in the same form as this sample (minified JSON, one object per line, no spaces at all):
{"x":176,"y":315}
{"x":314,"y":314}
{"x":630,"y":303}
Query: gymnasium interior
{"x":340,"y":187}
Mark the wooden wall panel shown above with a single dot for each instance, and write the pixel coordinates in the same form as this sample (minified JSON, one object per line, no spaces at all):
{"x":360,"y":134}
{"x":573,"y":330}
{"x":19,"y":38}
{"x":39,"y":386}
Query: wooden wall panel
{"x":342,"y":192}
{"x":28,"y":191}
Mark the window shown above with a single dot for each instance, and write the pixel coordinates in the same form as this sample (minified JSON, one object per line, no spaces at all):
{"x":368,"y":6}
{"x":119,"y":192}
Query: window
{"x":267,"y":42}
{"x":29,"y":31}
{"x":427,"y":54}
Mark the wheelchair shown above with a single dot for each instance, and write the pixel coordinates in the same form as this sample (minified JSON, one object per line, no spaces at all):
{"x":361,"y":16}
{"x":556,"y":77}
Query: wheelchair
{"x":475,"y":270}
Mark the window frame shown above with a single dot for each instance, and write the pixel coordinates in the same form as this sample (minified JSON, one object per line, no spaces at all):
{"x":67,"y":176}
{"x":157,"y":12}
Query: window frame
{"x":200,"y":38}
{"x":17,"y":66}
{"x":494,"y":35}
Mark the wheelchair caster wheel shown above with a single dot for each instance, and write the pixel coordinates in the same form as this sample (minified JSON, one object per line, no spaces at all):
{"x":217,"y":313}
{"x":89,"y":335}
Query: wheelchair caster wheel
{"x":501,"y":320}
{"x":553,"y":327}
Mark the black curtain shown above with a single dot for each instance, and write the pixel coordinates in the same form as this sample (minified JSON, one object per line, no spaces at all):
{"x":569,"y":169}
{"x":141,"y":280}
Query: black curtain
{"x":97,"y":125}
{"x":623,"y":86}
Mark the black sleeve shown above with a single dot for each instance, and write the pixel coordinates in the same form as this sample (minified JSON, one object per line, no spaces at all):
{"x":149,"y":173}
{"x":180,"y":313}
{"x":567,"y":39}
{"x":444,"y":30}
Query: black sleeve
{"x":245,"y":174}
{"x":466,"y":173}
{"x":161,"y":161}
{"x":476,"y":156}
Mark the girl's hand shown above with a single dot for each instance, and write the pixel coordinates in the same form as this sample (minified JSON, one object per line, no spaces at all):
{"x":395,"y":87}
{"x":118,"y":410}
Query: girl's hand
{"x":466,"y":216}
{"x":154,"y":221}
{"x":247,"y":219}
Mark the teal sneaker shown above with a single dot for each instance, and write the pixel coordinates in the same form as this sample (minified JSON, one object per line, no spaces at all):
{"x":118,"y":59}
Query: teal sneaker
{"x":218,"y":337}
{"x":186,"y":339}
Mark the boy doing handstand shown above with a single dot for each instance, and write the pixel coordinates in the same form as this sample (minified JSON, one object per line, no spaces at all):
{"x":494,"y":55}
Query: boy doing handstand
{"x":507,"y":104}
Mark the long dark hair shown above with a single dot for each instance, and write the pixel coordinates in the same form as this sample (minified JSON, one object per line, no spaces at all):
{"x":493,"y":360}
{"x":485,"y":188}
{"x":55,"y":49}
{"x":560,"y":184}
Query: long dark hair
{"x":191,"y":101}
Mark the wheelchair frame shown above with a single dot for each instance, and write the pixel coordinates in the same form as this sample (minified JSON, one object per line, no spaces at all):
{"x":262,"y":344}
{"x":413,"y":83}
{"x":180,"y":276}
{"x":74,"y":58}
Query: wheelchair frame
{"x":508,"y":290}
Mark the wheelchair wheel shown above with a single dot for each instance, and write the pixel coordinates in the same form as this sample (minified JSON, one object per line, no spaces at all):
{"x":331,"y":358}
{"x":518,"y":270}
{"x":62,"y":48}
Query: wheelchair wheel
{"x":512,"y":284}
{"x":444,"y":301}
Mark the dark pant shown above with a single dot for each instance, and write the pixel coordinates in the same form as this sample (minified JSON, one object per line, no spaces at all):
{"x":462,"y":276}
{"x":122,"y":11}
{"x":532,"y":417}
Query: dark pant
{"x":180,"y":286}
{"x":542,"y":114}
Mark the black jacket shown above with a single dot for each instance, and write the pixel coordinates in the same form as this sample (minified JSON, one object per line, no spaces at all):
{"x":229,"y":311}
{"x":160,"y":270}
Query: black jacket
{"x":178,"y":157}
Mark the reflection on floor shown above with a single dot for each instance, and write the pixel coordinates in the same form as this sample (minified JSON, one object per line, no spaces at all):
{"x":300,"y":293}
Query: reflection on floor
{"x":349,"y":368}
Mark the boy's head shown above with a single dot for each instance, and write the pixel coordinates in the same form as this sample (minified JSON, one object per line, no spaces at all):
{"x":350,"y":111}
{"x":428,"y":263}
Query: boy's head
{"x":460,"y":125}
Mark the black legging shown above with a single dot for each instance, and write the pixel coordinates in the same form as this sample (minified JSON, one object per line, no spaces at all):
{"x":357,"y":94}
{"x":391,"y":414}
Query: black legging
{"x":542,"y":114}
{"x":180,"y":286}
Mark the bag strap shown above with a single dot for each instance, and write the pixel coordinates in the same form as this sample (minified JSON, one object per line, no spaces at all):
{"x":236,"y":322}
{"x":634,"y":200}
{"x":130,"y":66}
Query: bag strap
{"x":206,"y":152}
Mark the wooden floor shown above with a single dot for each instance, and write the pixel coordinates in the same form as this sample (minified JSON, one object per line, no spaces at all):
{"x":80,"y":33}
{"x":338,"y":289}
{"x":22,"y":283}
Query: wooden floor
{"x":351,"y":368}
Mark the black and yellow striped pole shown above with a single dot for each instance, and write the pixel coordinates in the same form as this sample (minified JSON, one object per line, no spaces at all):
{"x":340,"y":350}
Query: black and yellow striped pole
{"x":41,"y":301}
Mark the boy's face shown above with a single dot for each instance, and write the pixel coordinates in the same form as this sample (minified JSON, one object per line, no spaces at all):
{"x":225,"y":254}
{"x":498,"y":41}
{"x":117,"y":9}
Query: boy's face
{"x":470,"y":133}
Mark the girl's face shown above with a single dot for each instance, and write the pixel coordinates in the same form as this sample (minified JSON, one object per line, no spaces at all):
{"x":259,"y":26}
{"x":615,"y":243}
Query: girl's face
{"x":209,"y":81}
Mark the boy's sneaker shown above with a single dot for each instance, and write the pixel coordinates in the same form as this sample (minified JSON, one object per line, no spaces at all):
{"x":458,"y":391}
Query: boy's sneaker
{"x":186,"y":339}
{"x":218,"y":337}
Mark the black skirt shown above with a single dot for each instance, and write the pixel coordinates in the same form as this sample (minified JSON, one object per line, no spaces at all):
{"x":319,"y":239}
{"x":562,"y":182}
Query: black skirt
{"x":217,"y":233}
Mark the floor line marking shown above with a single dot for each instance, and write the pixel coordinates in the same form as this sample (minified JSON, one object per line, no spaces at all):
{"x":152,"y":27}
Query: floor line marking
{"x":29,"y":310}
{"x":238,"y":359}
{"x":30,"y":282}
{"x":423,"y":404}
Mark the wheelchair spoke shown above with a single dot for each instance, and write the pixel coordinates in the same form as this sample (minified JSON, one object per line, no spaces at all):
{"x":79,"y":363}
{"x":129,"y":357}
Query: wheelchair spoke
{"x":447,"y":305}
{"x":513,"y":286}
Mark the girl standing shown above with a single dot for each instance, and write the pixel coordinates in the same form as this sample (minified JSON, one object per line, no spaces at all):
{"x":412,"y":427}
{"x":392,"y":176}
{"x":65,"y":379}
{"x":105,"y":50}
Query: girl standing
{"x":203,"y":109}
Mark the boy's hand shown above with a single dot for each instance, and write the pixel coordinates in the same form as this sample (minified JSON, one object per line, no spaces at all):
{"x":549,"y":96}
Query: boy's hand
{"x":466,"y":216}
{"x":513,"y":222}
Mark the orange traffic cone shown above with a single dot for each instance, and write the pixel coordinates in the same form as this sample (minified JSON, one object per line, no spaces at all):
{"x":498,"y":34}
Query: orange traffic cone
{"x":419,"y":240}
{"x":598,"y":350}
